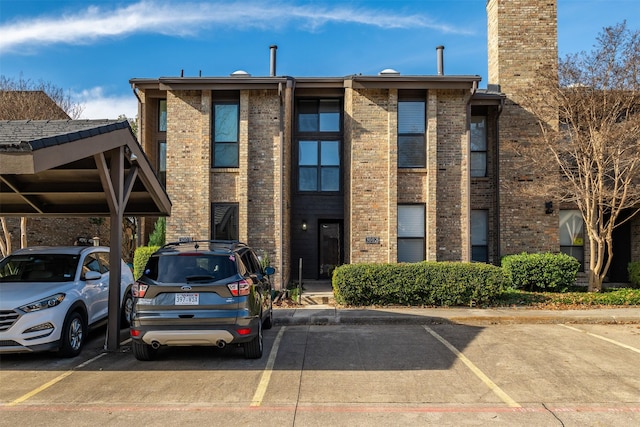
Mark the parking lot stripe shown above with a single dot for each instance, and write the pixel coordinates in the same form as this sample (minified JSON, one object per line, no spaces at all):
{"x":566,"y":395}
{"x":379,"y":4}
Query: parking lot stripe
{"x":628,"y":347}
{"x":485,"y":379}
{"x":52,"y":382}
{"x":266,"y":374}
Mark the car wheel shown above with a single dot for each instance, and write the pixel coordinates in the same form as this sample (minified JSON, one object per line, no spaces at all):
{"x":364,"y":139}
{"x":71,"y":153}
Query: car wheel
{"x":73,"y":334}
{"x":127,"y":308}
{"x":143,"y":351}
{"x":253,"y":348}
{"x":268,"y":322}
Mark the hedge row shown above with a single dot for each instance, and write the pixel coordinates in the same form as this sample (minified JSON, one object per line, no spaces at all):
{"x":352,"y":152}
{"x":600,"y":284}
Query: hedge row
{"x":140,"y":258}
{"x":426,"y":283}
{"x":541,"y":272}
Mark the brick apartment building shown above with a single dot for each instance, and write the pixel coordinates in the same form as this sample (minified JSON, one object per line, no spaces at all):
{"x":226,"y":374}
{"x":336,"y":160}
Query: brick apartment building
{"x":383,"y":168}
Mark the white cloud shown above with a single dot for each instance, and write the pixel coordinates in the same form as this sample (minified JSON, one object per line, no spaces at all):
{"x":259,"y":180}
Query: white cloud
{"x":98,"y":105}
{"x":181,"y":19}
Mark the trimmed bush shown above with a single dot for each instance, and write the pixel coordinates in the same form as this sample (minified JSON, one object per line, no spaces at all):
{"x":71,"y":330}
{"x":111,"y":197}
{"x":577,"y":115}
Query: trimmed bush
{"x":634,"y":273}
{"x":422,"y":284}
{"x":140,"y":258}
{"x":541,"y":272}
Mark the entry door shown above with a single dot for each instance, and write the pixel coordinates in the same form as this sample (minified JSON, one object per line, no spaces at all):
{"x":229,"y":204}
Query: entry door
{"x":330,"y":248}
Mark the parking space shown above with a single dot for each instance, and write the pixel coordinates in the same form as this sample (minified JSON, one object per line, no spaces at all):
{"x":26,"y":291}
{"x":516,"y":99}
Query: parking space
{"x":343,"y":375}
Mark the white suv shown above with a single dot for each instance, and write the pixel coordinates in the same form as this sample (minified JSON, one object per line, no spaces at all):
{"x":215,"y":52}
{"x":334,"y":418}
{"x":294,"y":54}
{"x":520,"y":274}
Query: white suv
{"x":51,"y":296}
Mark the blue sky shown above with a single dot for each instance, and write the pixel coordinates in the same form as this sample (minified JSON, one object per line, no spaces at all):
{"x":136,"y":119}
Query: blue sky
{"x":91,"y":48}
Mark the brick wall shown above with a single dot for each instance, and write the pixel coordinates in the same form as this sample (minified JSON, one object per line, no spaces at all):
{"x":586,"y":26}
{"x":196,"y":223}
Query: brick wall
{"x":513,"y":25}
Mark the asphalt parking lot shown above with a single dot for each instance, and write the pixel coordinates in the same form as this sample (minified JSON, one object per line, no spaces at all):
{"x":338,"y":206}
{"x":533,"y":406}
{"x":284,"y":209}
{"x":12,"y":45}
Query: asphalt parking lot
{"x":320,"y":375}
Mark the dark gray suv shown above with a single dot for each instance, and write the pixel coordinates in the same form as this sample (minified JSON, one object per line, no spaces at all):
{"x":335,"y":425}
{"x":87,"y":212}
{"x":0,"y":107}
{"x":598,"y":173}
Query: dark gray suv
{"x":201,"y":293}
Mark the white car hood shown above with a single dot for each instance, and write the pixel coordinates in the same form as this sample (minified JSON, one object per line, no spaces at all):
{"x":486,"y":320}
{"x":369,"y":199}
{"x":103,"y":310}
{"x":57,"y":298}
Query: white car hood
{"x":16,"y":294}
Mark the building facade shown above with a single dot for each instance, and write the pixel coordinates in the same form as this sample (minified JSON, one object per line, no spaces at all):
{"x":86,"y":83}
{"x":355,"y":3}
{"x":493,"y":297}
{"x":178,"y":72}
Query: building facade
{"x":315,"y":172}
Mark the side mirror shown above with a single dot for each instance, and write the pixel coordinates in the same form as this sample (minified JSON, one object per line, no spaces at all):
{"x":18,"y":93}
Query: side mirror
{"x":92,"y":275}
{"x":269,"y":271}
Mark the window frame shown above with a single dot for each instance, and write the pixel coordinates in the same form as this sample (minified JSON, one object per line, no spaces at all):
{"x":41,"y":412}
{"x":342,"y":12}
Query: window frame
{"x":421,"y":238}
{"x":335,"y":135}
{"x":215,"y":143}
{"x":573,"y":248}
{"x":412,"y":97}
{"x":162,"y":119}
{"x":476,"y":153}
{"x":477,"y":246}
{"x":235,"y":216}
{"x":162,"y":161}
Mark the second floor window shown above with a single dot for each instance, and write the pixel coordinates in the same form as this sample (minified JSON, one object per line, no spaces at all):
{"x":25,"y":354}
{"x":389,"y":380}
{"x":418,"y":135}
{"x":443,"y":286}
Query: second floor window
{"x":318,"y":165}
{"x":411,"y":129}
{"x":162,"y":115}
{"x":226,"y":124}
{"x":478,"y":146}
{"x":162,"y":162}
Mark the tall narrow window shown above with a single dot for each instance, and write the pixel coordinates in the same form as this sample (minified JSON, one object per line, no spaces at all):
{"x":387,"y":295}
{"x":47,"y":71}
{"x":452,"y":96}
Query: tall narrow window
{"x":224,"y":221}
{"x":411,"y":233}
{"x":162,"y":115}
{"x":226,"y":125}
{"x":319,"y":165}
{"x":411,"y":129}
{"x":572,"y":234}
{"x":162,"y":162}
{"x":478,"y":146}
{"x":479,"y":235}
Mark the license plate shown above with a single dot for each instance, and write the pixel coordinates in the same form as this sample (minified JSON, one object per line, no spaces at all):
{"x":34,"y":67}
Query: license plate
{"x":187,"y":299}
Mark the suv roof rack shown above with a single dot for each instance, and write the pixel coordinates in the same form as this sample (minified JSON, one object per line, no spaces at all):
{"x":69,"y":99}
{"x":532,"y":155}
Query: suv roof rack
{"x":183,"y":241}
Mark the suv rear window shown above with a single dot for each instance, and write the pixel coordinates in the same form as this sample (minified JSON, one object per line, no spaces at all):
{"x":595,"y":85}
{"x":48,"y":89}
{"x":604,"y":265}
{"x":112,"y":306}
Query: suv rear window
{"x":183,"y":267}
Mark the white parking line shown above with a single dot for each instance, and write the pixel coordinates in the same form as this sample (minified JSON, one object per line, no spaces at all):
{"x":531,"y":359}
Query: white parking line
{"x":485,"y":379}
{"x":52,"y":382}
{"x":266,"y":374}
{"x":628,"y":347}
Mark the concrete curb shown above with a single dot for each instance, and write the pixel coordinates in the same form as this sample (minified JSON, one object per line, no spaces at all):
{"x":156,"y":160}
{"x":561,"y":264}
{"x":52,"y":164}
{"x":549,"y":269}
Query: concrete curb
{"x":335,"y":316}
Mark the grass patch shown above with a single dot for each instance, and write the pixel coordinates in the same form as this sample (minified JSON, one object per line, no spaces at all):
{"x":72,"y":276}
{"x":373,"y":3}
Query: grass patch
{"x":575,"y":299}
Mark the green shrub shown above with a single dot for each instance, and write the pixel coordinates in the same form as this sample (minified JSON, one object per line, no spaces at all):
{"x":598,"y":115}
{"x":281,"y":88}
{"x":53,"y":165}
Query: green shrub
{"x":140,"y":258}
{"x":424,"y":283}
{"x":158,"y":236}
{"x":541,"y":272}
{"x":634,"y":273}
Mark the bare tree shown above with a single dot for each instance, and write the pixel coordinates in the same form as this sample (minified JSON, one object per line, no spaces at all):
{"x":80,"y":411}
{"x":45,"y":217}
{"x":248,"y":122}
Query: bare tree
{"x":21,"y":99}
{"x":24,"y":99}
{"x":597,"y":143}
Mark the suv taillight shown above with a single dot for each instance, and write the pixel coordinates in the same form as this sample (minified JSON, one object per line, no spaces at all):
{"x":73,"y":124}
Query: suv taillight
{"x":240,"y":288}
{"x":138,"y":290}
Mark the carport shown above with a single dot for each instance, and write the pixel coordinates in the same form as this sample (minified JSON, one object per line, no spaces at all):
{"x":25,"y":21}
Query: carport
{"x":79,"y":168}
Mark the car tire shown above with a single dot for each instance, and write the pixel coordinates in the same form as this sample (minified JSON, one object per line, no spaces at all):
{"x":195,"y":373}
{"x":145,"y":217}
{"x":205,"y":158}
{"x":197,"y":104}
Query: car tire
{"x":143,"y":351}
{"x":127,"y":308}
{"x":268,"y":322}
{"x":73,"y":335}
{"x":253,"y":348}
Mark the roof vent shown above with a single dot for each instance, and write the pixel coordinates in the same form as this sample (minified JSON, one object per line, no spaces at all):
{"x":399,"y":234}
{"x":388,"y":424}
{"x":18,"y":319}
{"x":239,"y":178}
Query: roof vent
{"x":389,"y":72}
{"x":240,"y":73}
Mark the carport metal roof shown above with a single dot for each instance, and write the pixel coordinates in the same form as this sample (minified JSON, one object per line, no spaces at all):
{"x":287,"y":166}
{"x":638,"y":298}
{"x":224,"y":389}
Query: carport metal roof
{"x":54,"y":168}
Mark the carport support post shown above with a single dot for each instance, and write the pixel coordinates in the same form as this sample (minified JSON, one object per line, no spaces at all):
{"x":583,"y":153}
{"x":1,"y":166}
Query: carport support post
{"x":115,"y":239}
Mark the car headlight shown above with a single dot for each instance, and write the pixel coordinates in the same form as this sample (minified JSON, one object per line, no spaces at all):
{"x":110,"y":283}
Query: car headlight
{"x":47,"y":302}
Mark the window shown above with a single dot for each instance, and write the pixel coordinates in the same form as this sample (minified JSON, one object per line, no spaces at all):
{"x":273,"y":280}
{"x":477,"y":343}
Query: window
{"x":411,"y":128}
{"x":319,"y":165}
{"x":479,"y":235}
{"x":411,"y":233}
{"x":226,"y":125}
{"x":162,"y":115}
{"x":572,"y":234}
{"x":319,"y":115}
{"x":478,"y":146}
{"x":162,"y":162}
{"x":224,"y":221}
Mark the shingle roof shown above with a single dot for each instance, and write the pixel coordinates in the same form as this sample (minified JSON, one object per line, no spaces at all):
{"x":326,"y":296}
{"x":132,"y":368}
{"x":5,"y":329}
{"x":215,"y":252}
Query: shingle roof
{"x":30,"y":135}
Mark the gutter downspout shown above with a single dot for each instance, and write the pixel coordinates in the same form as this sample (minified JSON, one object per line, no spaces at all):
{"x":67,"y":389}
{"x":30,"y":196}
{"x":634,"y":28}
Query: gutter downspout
{"x":497,"y":185}
{"x":282,"y":198}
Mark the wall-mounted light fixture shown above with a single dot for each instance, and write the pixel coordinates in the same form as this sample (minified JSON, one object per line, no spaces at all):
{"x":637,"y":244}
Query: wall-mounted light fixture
{"x":548,"y":208}
{"x":304,"y":226}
